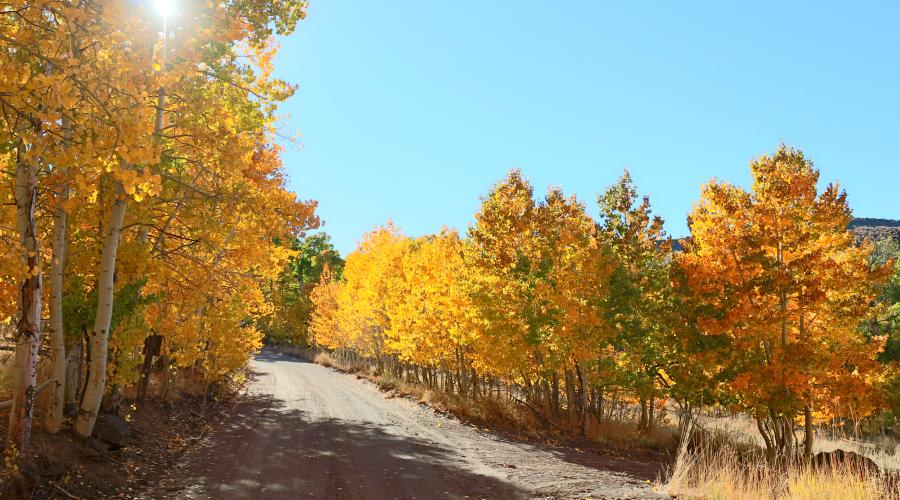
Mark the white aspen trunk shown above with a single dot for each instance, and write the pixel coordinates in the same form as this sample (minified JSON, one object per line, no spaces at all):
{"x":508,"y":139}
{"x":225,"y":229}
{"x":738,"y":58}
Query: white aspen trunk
{"x":93,"y":391}
{"x":28,"y":330}
{"x":56,"y":402}
{"x":57,"y":336}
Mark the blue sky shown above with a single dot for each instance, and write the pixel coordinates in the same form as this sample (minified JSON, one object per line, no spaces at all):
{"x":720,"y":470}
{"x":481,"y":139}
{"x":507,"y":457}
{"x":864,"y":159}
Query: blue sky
{"x":411,"y":110}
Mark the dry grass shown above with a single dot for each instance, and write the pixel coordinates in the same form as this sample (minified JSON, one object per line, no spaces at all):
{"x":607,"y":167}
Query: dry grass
{"x":625,"y":434}
{"x":885,"y":453}
{"x":324,"y":359}
{"x":715,"y":469}
{"x":482,"y":412}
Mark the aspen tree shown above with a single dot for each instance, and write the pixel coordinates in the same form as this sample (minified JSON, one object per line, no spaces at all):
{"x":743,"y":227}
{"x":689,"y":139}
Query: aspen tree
{"x":778,"y":278}
{"x":28,"y":329}
{"x":640,"y":279}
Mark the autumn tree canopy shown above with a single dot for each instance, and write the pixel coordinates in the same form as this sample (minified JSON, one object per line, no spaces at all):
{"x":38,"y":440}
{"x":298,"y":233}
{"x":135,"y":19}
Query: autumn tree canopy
{"x":762,"y":313}
{"x":142,"y":170}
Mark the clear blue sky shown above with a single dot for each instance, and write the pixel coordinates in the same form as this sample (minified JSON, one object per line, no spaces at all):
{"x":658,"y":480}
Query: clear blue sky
{"x":411,"y":110}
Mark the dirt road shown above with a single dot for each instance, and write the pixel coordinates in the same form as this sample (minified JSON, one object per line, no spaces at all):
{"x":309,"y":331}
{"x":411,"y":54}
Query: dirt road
{"x":306,"y":431}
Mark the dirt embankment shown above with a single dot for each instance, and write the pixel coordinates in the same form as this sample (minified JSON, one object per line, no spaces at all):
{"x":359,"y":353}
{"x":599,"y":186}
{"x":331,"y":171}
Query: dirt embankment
{"x":134,"y":452}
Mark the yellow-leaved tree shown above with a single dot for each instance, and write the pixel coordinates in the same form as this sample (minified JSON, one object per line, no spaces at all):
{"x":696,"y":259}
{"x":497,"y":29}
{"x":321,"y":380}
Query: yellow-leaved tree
{"x":427,"y":313}
{"x":145,"y":173}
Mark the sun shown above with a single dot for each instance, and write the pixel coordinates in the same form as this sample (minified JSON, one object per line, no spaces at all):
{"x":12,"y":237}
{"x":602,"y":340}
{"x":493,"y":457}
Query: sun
{"x":165,"y":7}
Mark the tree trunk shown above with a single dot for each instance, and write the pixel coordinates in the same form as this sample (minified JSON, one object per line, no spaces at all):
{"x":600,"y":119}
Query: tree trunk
{"x":73,"y":374}
{"x":789,"y":435}
{"x":145,"y":377}
{"x":555,"y":394}
{"x":600,"y":406}
{"x":643,"y":425}
{"x":580,"y":401}
{"x":810,"y":435}
{"x":28,"y":329}
{"x":463,"y":376}
{"x":57,"y":401}
{"x":764,"y":432}
{"x":164,"y":393}
{"x":529,"y":390}
{"x":152,"y":348}
{"x":777,"y":434}
{"x":93,"y":393}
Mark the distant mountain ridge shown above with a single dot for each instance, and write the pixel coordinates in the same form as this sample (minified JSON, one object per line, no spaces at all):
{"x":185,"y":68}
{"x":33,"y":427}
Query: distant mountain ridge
{"x":864,"y":228}
{"x":875,"y":229}
{"x":869,"y":222}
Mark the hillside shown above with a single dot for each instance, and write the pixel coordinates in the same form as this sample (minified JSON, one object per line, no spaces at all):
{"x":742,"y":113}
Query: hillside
{"x":876,"y":229}
{"x":868,"y":222}
{"x":863,"y":228}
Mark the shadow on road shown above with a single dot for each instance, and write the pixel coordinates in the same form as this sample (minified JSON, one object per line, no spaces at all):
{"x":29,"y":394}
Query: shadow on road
{"x":269,"y":451}
{"x":270,"y":355}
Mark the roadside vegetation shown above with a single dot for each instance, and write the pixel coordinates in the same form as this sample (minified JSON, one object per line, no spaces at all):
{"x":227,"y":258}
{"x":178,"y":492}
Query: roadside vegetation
{"x":546,"y":319}
{"x":724,"y":470}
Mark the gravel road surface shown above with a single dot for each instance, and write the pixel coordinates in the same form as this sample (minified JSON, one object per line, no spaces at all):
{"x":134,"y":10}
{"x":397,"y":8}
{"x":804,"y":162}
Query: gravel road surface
{"x":307,"y":431}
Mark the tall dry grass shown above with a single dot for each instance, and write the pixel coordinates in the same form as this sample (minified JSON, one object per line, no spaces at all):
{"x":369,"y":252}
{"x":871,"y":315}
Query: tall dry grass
{"x":884,"y":451}
{"x":713,"y":468}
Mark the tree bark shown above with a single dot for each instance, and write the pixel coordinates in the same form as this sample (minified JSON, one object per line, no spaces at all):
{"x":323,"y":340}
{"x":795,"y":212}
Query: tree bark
{"x":788,"y":434}
{"x":810,"y":435}
{"x":600,"y":405}
{"x":642,"y":425}
{"x":93,"y":392}
{"x":554,"y":395}
{"x":59,"y":363}
{"x":764,"y":432}
{"x":152,"y":348}
{"x":580,"y":401}
{"x":28,"y":329}
{"x":73,"y":374}
{"x":568,"y":379}
{"x":56,"y":402}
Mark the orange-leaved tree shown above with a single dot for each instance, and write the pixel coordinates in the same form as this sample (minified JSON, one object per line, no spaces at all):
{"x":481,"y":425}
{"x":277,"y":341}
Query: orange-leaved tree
{"x":777,"y":278}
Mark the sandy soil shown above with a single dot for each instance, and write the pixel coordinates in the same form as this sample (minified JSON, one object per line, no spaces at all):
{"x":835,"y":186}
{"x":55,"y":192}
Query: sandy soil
{"x":307,"y":431}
